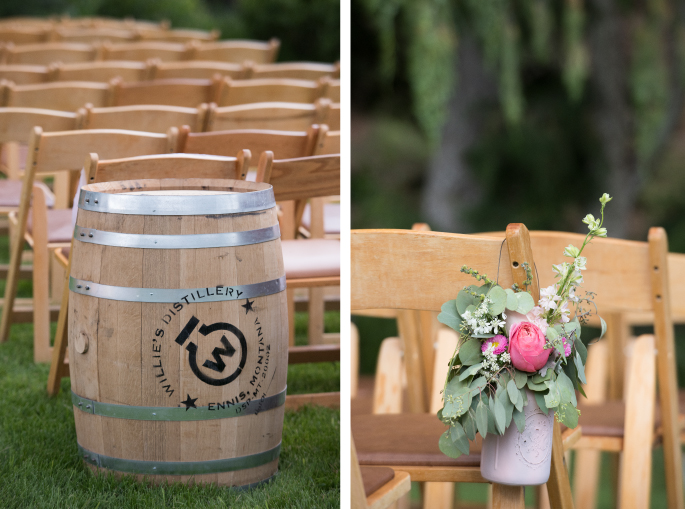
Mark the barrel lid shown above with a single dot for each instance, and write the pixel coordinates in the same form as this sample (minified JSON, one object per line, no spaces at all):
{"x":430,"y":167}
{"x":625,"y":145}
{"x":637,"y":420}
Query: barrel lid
{"x":174,"y":197}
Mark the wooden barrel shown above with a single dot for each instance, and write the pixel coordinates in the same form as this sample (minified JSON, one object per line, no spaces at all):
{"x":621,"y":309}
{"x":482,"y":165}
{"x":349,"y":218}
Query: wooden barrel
{"x":178,"y":330}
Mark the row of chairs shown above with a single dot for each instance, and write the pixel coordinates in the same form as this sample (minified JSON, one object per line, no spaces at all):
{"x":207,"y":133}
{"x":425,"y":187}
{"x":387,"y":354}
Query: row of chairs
{"x":18,"y":33}
{"x":71,"y":95}
{"x":237,"y":51}
{"x":16,"y":123}
{"x":155,"y":69}
{"x":64,"y":20}
{"x":59,"y":154}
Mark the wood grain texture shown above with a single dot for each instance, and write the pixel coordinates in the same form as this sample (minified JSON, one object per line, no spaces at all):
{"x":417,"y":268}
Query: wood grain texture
{"x":57,"y":364}
{"x":49,"y":52}
{"x":294,"y":70}
{"x":302,"y":177}
{"x":387,"y":387}
{"x":636,"y":465}
{"x":666,"y":365}
{"x":390,"y":492}
{"x":507,"y":497}
{"x":277,"y":116}
{"x":195,"y":69}
{"x":238,"y":51}
{"x":60,"y":96}
{"x":188,"y":93}
{"x":150,"y":118}
{"x":268,"y":90}
{"x":130,"y":362}
{"x":142,"y":51}
{"x":16,"y":124}
{"x":101,"y":72}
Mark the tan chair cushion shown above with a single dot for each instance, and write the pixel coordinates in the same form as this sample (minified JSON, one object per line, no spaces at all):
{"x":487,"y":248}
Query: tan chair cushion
{"x":405,"y":439}
{"x":375,"y":478}
{"x":10,"y":193}
{"x":311,"y":258}
{"x":606,"y":419}
{"x":331,"y":218}
{"x":60,"y":228}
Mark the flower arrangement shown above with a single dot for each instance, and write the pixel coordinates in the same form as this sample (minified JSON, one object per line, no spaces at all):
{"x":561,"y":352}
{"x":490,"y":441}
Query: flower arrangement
{"x":509,"y":344}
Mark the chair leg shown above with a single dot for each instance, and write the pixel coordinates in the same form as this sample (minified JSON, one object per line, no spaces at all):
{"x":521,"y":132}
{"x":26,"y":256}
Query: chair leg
{"x":636,"y":464}
{"x":42,"y":352}
{"x":316,"y":315}
{"x":354,"y":360}
{"x":507,"y":497}
{"x":290,"y":295}
{"x":58,"y":368}
{"x":438,"y":495}
{"x":558,"y":486}
{"x":387,"y":390}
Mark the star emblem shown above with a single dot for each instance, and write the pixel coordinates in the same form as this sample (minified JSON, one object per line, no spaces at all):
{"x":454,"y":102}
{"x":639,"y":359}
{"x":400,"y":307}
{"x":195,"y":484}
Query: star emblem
{"x":189,"y":403}
{"x":248,"y":305}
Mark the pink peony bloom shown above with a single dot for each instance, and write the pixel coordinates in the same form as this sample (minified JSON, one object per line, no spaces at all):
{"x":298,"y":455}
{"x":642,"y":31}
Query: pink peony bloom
{"x":499,"y":342}
{"x":527,"y":347}
{"x":567,"y":347}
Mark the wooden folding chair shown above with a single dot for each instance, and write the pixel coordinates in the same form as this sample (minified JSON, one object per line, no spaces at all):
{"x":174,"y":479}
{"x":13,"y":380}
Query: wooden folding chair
{"x":236,"y":92}
{"x":24,"y":74}
{"x":173,"y":92}
{"x":131,"y":168}
{"x":376,"y":487}
{"x":308,"y":263}
{"x":148,"y":118}
{"x":332,"y":89}
{"x":279,"y":116}
{"x":49,"y":52}
{"x":395,"y":269}
{"x":237,"y":51}
{"x":61,"y":96}
{"x":23,"y":34}
{"x":99,"y":71}
{"x":630,"y":277}
{"x":144,"y":50}
{"x":60,"y":152}
{"x":295,"y":70}
{"x":195,"y":69}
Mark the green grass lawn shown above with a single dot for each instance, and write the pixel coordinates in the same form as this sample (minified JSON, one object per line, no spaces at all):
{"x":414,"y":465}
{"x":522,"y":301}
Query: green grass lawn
{"x":40,"y":467}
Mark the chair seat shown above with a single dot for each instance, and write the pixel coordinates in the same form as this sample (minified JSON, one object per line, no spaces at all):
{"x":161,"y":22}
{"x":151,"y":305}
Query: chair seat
{"x":413,"y":442}
{"x":376,"y":477}
{"x":10,"y":193}
{"x":60,"y":227}
{"x":331,"y":218}
{"x":311,"y":258}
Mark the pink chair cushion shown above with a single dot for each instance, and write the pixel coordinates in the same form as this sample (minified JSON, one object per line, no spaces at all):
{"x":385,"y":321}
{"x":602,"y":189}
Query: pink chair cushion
{"x":60,"y":228}
{"x":10,"y":193}
{"x":331,"y":218}
{"x":311,"y":258}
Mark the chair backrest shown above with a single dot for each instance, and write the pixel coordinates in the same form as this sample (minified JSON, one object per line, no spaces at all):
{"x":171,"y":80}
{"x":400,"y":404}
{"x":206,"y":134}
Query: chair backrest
{"x":172,"y":92}
{"x":49,"y":52}
{"x":332,"y":90}
{"x":238,"y":51}
{"x":145,"y":50}
{"x":164,"y":166}
{"x":16,"y":124}
{"x":147,"y":118}
{"x":269,"y":90}
{"x":300,"y":178}
{"x":328,"y":142}
{"x":179,"y":35}
{"x":195,"y":69}
{"x":278,"y":116}
{"x":93,"y":35}
{"x":23,"y":34}
{"x":333,"y":118}
{"x":295,"y":70}
{"x":284,"y":144}
{"x":61,"y":96}
{"x":100,"y":71}
{"x":24,"y":74}
{"x":52,"y":152}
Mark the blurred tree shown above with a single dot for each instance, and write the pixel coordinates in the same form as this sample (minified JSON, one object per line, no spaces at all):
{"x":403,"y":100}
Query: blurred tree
{"x":589,"y":94}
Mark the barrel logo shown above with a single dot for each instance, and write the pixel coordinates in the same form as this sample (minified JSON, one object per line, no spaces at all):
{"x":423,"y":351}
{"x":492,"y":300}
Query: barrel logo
{"x":226,"y":349}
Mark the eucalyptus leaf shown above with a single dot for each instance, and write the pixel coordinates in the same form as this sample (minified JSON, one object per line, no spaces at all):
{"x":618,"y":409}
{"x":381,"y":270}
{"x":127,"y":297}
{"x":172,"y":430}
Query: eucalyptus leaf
{"x":440,"y":414}
{"x":538,"y":379}
{"x":519,"y":400}
{"x":478,"y":384}
{"x":470,"y":425}
{"x":553,"y":398}
{"x":469,"y":352}
{"x":536,"y":387}
{"x":520,"y":420}
{"x":524,"y":396}
{"x":449,"y":315}
{"x":508,"y":407}
{"x":603,"y":327}
{"x":580,"y":367}
{"x":581,"y":349}
{"x":492,"y":427}
{"x":570,"y":370}
{"x":525,"y":303}
{"x":457,"y":399}
{"x":520,"y":377}
{"x":513,"y":391}
{"x":500,"y":415}
{"x":448,"y":447}
{"x":482,"y":418}
{"x":498,"y":300}
{"x":551,"y":334}
{"x":540,"y":400}
{"x":470,"y":371}
{"x":465,"y":299}
{"x":566,"y":389}
{"x":512,"y":301}
{"x":483,"y":336}
{"x":568,"y":415}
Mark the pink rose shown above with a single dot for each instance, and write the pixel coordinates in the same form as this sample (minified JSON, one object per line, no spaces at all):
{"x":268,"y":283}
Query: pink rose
{"x":527,"y":347}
